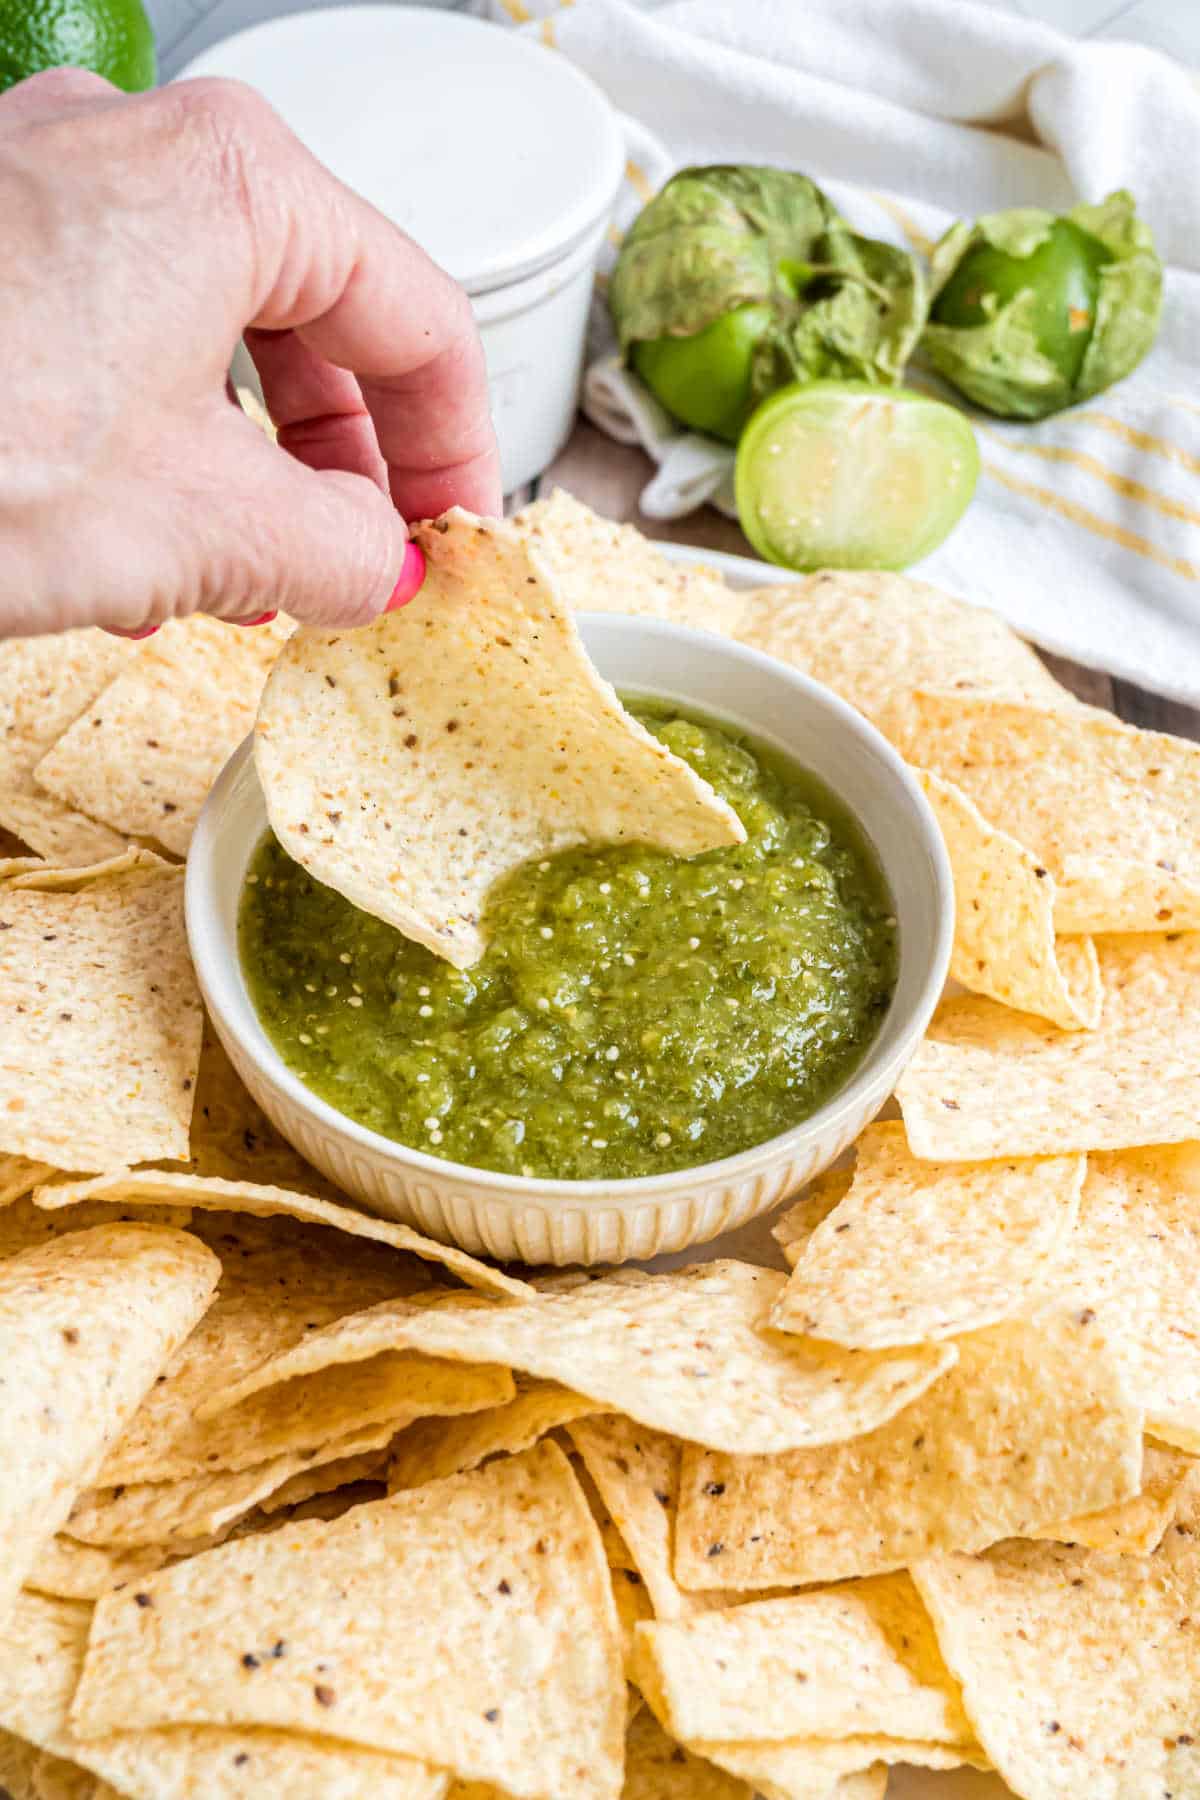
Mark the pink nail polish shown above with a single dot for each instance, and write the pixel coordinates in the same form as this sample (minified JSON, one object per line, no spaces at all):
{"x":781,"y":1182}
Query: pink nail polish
{"x":133,"y":636}
{"x":412,"y":574}
{"x":262,"y":619}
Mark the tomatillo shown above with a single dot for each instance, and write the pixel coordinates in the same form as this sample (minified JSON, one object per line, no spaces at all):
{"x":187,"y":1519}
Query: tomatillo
{"x":735,"y":280}
{"x":1032,"y":312}
{"x":847,"y":475}
{"x":707,"y":380}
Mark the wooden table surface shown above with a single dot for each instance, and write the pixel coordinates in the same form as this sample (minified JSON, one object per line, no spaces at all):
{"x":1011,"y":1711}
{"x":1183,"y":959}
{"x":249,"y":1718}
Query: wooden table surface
{"x":610,"y":476}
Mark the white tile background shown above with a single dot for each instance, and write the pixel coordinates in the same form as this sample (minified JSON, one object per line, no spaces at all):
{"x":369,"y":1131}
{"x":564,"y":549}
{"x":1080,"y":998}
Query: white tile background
{"x":185,"y":27}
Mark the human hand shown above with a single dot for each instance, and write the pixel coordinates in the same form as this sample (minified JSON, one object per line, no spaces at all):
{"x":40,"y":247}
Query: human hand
{"x":143,"y":236}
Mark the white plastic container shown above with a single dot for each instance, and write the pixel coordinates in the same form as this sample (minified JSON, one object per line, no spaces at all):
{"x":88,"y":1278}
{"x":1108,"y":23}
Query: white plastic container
{"x":492,"y":151}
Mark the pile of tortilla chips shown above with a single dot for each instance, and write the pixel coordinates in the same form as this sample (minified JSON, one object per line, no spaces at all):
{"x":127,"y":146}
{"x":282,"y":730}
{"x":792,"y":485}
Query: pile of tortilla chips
{"x":295,"y":1501}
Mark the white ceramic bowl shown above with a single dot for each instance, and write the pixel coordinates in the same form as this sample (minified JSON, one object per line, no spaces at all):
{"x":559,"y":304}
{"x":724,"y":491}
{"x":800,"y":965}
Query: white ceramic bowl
{"x":536,"y":1221}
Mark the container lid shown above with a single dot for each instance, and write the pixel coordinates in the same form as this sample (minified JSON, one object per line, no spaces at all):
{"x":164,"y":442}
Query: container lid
{"x":494,"y":152}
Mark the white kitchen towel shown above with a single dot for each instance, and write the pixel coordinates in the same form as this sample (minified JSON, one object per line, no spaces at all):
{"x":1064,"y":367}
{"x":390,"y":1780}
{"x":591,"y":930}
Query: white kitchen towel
{"x":1085,"y":530}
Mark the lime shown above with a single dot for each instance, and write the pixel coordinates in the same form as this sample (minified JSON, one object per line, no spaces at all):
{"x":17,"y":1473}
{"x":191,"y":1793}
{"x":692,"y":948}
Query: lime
{"x":706,"y":379}
{"x":845,"y":475}
{"x":111,"y":37}
{"x":1064,"y":276}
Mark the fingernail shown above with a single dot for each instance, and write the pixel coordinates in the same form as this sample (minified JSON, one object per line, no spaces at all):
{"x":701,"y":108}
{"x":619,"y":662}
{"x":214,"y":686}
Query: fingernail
{"x":135,"y":636}
{"x":412,"y":574}
{"x":262,"y":619}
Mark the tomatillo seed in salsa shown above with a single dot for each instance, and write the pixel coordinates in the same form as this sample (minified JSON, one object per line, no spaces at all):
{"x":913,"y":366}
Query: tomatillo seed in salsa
{"x":634,"y":1012}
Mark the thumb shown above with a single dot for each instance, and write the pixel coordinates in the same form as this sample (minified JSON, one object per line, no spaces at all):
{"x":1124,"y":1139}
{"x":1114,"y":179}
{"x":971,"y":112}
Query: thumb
{"x":325,"y":546}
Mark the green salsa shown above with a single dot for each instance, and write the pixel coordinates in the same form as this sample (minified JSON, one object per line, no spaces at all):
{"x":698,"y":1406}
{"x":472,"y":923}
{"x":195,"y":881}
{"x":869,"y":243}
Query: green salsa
{"x":634,"y":1012}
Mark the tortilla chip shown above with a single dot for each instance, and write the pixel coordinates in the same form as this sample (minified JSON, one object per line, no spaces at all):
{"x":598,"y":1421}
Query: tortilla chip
{"x":45,"y":684}
{"x":150,"y":1187}
{"x":326,"y":1406}
{"x":874,"y":638}
{"x":857,"y":1766}
{"x":636,"y":1474}
{"x":683,"y":1352}
{"x":793,"y":1228}
{"x":411,"y":763}
{"x":987,"y":1082}
{"x":657,"y":1768}
{"x":1134,"y":1527}
{"x":436,"y":1447}
{"x":1027,"y":1418}
{"x":144,"y":754}
{"x":628,"y":1589}
{"x":279,"y":1281}
{"x":921,"y":1250}
{"x":178,"y":1513}
{"x":1131,"y":1273}
{"x":19,"y":1176}
{"x":86,"y":1323}
{"x":521,"y":1685}
{"x":42,"y":1644}
{"x":778,"y":1669}
{"x":601,"y":566}
{"x":1004,"y":925}
{"x":25,"y":1226}
{"x":367,"y":1469}
{"x":810,"y":1768}
{"x":1113,"y":812}
{"x":99,"y":1018}
{"x":1079,"y":1669}
{"x":69,"y":1570}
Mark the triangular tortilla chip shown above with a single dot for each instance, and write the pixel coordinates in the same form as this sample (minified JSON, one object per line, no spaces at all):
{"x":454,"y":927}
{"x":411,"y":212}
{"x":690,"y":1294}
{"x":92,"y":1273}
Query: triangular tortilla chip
{"x":1079,"y":1669}
{"x":605,"y":567}
{"x":777,"y":1669}
{"x":99,"y":1016}
{"x":686,"y":1352}
{"x":145,"y":752}
{"x":875,"y":638}
{"x":988,"y":1082}
{"x":411,"y":763}
{"x":1004,"y":919}
{"x":520,"y":1685}
{"x":966,"y":1464}
{"x":178,"y":1513}
{"x":42,"y":1644}
{"x":45,"y":684}
{"x":86,"y":1324}
{"x":161,"y":1187}
{"x":1130,"y":1272}
{"x":1113,"y":812}
{"x":919,"y":1250}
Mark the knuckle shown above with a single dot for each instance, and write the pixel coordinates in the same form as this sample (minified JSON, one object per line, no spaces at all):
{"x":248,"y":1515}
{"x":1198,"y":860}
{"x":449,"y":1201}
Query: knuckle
{"x":219,"y":105}
{"x":58,"y":86}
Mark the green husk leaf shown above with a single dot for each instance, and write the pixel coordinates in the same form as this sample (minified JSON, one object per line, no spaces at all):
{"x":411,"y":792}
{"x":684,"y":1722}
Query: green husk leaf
{"x":1129,"y":303}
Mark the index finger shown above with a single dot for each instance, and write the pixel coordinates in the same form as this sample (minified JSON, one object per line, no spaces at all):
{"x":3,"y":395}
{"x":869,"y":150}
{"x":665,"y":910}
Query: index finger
{"x":363,"y":295}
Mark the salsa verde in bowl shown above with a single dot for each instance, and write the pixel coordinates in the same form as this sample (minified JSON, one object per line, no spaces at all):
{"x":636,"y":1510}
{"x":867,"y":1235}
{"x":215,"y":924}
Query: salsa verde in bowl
{"x":761,"y":1000}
